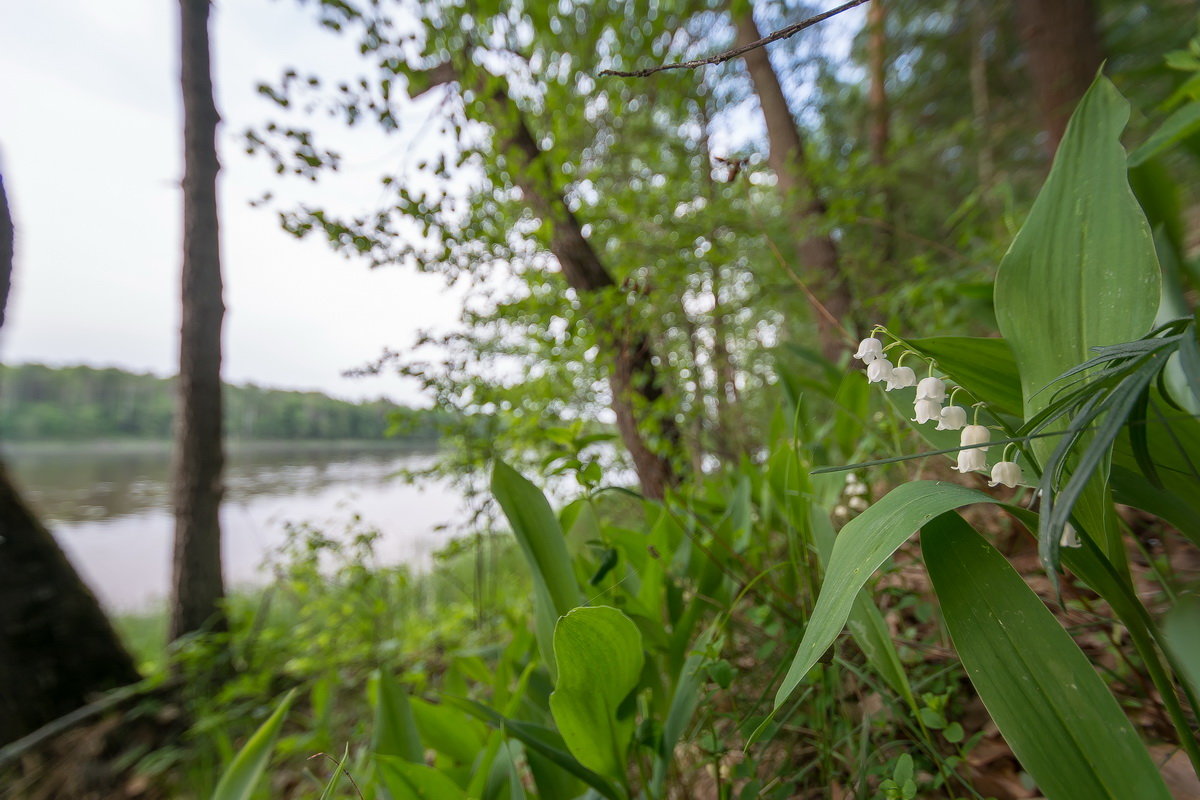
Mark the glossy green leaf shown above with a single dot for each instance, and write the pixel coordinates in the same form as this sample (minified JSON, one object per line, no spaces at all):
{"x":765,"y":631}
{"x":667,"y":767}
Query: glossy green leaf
{"x":1060,"y":719}
{"x":861,"y":548}
{"x":1081,"y":273}
{"x":395,"y":729}
{"x":243,"y":774}
{"x":1082,"y":270}
{"x":448,"y":731}
{"x":984,"y":367}
{"x":866,"y":623}
{"x":1181,"y":629}
{"x":599,"y":654}
{"x":542,"y":544}
{"x":406,"y":780}
{"x":544,"y":742}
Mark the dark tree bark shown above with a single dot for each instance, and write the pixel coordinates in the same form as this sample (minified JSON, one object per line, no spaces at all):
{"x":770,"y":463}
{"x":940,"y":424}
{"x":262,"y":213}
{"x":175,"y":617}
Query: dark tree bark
{"x":880,"y":123}
{"x":815,"y":251}
{"x":633,"y":377}
{"x":57,"y":647}
{"x":197,"y":585}
{"x":1062,"y":43}
{"x":981,"y":97}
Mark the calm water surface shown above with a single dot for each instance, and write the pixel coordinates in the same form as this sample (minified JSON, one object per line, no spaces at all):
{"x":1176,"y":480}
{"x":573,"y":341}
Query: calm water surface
{"x":107,"y":505}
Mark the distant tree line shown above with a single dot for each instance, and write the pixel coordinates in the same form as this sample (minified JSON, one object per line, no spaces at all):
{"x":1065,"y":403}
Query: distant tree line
{"x":41,"y":402}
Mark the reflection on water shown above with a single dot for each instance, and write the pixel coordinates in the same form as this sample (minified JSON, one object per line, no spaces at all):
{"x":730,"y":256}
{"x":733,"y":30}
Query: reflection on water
{"x":108,"y":506}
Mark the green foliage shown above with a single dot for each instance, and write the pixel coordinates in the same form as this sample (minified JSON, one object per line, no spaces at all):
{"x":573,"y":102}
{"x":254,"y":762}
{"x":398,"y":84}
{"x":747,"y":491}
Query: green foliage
{"x":1054,"y":711}
{"x":598,"y":652}
{"x":39,"y":403}
{"x":247,"y":767}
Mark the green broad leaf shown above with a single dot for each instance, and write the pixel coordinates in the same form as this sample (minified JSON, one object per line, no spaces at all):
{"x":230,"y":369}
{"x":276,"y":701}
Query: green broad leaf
{"x":1061,"y":721}
{"x":866,"y":623}
{"x":599,"y":655}
{"x":984,"y":367}
{"x":448,"y":731}
{"x":1081,"y":273}
{"x":1183,"y":123}
{"x":1181,"y":629}
{"x":685,"y":700}
{"x":406,"y":780}
{"x":862,"y":547}
{"x":396,"y":731}
{"x":243,"y":774}
{"x":542,"y":544}
{"x":541,"y":743}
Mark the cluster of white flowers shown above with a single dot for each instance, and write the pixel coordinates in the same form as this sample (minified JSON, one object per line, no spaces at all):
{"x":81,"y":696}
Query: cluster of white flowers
{"x":931,"y":393}
{"x":855,"y":499}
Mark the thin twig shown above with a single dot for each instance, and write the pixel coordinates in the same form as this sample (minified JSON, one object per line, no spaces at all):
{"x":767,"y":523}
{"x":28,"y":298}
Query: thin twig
{"x":728,"y":55}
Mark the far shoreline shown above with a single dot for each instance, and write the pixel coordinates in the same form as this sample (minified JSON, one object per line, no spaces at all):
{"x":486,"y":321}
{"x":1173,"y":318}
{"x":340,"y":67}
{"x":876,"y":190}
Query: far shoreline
{"x":35,"y":447}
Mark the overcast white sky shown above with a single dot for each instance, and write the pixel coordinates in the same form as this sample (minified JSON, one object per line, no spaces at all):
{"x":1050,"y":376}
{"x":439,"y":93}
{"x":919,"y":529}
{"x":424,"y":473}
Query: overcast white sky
{"x":90,"y":133}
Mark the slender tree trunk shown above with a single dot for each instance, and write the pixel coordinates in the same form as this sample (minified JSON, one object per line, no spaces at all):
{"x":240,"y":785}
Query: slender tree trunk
{"x":980,"y":97}
{"x":633,"y":378}
{"x":815,"y":251}
{"x":1062,"y":43}
{"x":56,"y":645}
{"x":885,"y":234}
{"x":198,"y":458}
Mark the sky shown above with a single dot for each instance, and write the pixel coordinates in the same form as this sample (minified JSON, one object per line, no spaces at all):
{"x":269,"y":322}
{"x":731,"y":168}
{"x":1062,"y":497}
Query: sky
{"x":90,"y":148}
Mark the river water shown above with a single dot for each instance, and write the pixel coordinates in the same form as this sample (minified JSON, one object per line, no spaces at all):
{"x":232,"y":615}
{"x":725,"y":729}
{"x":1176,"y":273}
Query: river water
{"x":107,"y":504}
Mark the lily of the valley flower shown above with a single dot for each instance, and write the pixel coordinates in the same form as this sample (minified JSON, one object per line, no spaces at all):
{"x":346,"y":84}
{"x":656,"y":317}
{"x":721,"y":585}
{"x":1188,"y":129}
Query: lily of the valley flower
{"x":869,"y":350}
{"x":1007,"y":473}
{"x":976,"y":457}
{"x":900,"y":378}
{"x":952,"y":418}
{"x":879,"y":370}
{"x":1070,"y":537}
{"x":927,"y":411}
{"x":931,"y":389}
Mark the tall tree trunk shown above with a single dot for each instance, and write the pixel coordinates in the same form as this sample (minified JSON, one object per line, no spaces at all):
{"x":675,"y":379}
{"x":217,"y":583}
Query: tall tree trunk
{"x":198,"y":460}
{"x":980,"y":97}
{"x":633,"y":378}
{"x":815,"y":251}
{"x":880,"y":122}
{"x":56,"y":645}
{"x":1062,"y":43}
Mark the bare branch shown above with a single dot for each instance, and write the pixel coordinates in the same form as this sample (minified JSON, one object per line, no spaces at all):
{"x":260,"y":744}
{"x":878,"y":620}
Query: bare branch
{"x":728,"y":55}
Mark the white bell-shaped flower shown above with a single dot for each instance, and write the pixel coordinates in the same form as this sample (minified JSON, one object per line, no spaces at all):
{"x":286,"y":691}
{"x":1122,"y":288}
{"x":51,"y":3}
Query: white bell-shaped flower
{"x":879,"y":370}
{"x":927,"y":411}
{"x":952,"y":418}
{"x":1007,"y":473}
{"x":857,"y":503}
{"x":869,"y":350}
{"x":976,"y":457}
{"x":1070,"y":537}
{"x":901,"y":378}
{"x":854,"y":486}
{"x":931,"y":389}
